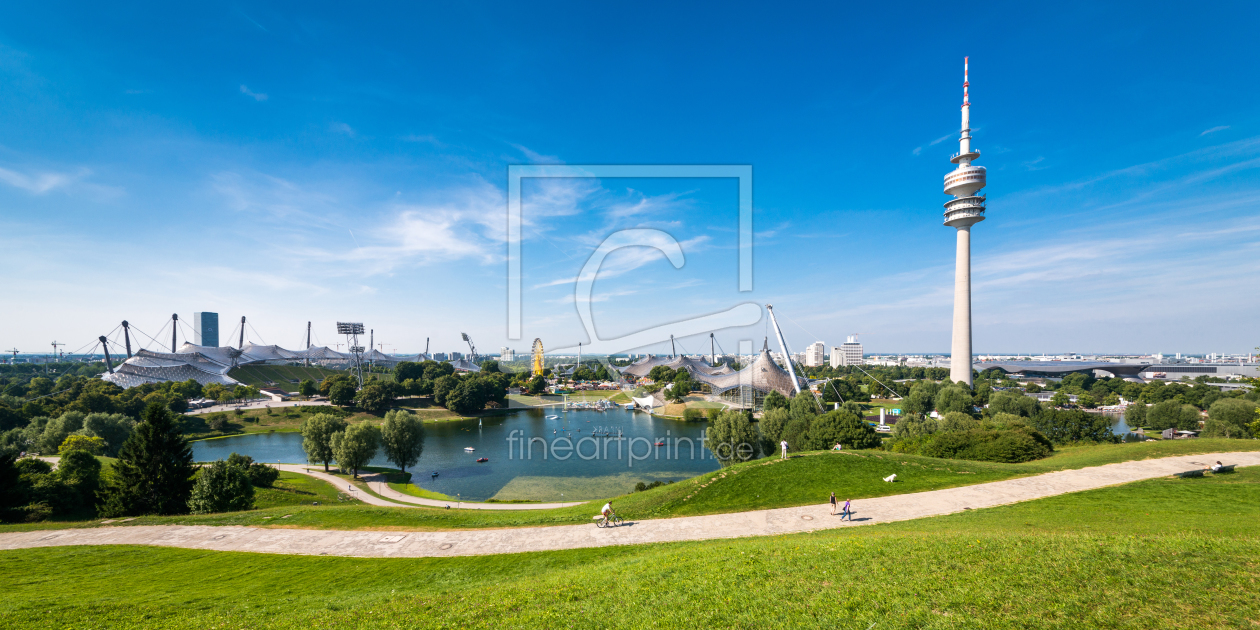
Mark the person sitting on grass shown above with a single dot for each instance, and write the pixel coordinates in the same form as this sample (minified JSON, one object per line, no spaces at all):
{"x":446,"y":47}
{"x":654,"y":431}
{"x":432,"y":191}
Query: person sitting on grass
{"x":1217,"y":466}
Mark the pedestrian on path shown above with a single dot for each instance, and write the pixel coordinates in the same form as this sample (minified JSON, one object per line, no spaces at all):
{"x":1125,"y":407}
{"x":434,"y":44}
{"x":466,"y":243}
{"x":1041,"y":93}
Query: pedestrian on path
{"x":847,"y":512}
{"x":783,"y":445}
{"x":833,"y":504}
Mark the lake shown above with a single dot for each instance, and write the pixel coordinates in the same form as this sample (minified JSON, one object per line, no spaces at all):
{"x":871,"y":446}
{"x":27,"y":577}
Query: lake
{"x":535,"y":454}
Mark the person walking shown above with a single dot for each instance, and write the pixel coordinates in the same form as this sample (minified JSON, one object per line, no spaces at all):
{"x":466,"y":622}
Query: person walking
{"x":848,"y":513}
{"x":783,"y":445}
{"x":833,"y":504}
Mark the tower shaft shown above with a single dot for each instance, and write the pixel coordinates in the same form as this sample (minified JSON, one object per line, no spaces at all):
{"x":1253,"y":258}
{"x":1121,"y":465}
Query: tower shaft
{"x":960,"y":351}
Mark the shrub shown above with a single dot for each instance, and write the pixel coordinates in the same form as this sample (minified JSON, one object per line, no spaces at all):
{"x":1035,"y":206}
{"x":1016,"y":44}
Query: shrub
{"x":1172,"y":414}
{"x":218,"y":423}
{"x":842,"y":427}
{"x":955,"y":421}
{"x":92,"y":445}
{"x":694,"y":415}
{"x":221,"y":487}
{"x":1012,"y":446}
{"x":260,"y":475}
{"x":1229,"y":417}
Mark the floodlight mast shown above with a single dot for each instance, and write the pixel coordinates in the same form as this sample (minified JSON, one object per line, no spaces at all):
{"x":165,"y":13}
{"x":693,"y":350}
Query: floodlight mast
{"x":241,"y":345}
{"x":174,"y":329}
{"x":352,"y":330}
{"x":471,"y":348}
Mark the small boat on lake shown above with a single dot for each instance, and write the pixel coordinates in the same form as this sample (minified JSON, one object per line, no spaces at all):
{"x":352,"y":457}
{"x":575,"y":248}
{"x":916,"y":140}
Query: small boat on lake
{"x":469,"y":449}
{"x":483,"y":460}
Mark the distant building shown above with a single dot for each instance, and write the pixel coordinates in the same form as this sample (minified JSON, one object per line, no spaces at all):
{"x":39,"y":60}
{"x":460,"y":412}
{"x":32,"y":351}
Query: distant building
{"x":815,"y":354}
{"x":848,"y":353}
{"x":206,"y":329}
{"x":439,"y":356}
{"x":507,"y":354}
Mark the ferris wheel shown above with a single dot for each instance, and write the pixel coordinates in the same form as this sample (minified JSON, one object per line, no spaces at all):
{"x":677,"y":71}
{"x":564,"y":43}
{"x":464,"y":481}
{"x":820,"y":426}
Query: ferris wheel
{"x":537,"y":352}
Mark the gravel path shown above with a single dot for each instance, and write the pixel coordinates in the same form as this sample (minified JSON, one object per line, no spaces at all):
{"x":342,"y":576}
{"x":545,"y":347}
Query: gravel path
{"x":403,"y":544}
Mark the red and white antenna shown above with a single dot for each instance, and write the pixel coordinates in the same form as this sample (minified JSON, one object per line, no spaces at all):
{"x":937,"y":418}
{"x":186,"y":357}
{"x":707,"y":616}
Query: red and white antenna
{"x":966,"y":84}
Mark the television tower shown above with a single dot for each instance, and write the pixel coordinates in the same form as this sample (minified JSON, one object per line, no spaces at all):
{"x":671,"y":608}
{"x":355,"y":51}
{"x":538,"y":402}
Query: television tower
{"x":963,"y":211}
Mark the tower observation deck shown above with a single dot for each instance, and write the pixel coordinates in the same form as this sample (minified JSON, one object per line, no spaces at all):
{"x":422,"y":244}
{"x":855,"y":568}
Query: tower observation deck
{"x":963,"y":211}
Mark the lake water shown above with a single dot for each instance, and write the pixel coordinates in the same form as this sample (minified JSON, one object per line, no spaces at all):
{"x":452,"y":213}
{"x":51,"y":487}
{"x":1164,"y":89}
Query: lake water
{"x":600,"y":467}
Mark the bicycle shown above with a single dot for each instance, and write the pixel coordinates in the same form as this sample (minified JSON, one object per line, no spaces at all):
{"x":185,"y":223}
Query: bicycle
{"x":608,"y":521}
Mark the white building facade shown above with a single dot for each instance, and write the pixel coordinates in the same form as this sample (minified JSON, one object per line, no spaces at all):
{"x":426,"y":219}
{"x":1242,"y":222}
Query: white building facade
{"x":815,"y":354}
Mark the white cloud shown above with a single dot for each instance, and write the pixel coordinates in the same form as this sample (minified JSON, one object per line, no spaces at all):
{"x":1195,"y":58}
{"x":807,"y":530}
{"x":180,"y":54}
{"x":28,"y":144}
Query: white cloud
{"x":1214,"y":130}
{"x":537,"y":158}
{"x":257,"y":96}
{"x":38,"y":183}
{"x":917,"y":151}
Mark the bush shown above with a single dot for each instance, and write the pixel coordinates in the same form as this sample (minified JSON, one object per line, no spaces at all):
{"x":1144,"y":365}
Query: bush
{"x":218,"y":423}
{"x":1229,"y":417}
{"x":92,"y":445}
{"x":640,"y":487}
{"x":842,"y":427}
{"x":260,"y":475}
{"x":1172,"y":414}
{"x":694,"y":415}
{"x":221,"y":487}
{"x":990,"y":445}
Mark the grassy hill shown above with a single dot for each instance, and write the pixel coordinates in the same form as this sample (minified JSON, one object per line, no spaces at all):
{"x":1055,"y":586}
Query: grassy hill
{"x":1163,"y":553}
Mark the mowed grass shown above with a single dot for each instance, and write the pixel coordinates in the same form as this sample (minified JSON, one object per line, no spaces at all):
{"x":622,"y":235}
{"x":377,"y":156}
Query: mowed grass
{"x":761,"y":484}
{"x":1163,"y":553}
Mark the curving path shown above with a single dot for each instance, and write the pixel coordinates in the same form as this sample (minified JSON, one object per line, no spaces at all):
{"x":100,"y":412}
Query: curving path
{"x":759,"y":523}
{"x":377,"y":484}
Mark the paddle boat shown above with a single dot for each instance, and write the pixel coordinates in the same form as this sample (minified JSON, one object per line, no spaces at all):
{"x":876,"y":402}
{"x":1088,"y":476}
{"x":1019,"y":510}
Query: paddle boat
{"x":469,"y":449}
{"x":483,"y":460}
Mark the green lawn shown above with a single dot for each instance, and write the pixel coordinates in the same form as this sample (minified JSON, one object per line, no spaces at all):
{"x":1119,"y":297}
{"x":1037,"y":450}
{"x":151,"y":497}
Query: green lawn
{"x":760,"y":484}
{"x":293,"y":489}
{"x":1163,"y":553}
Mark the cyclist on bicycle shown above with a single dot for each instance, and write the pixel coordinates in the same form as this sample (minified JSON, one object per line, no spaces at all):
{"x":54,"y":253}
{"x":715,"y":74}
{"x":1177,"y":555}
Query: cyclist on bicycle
{"x":607,"y":510}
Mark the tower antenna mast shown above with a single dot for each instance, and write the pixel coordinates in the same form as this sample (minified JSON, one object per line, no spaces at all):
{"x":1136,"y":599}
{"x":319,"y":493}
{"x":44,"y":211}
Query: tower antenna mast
{"x":963,"y":211}
{"x":787,"y":357}
{"x":174,"y":329}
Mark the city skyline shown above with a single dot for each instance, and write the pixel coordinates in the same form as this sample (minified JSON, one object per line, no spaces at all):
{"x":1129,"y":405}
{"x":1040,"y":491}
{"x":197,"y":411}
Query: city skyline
{"x":286,"y":170}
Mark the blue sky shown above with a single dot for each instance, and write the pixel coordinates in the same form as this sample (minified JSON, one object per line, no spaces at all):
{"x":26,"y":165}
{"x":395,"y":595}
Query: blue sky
{"x":350,"y":163}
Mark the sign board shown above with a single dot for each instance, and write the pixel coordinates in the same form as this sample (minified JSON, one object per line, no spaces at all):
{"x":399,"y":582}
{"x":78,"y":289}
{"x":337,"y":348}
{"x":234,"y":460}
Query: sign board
{"x":896,"y":412}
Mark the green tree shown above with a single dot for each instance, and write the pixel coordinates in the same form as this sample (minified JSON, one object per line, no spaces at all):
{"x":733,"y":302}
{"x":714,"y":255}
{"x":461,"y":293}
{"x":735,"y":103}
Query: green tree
{"x":954,"y":398}
{"x":408,"y":370}
{"x":796,"y":433}
{"x":841,"y":390}
{"x":317,"y":433}
{"x":307,"y":388}
{"x":1013,"y":403}
{"x":537,"y":385}
{"x":93,"y":445}
{"x":402,"y":438}
{"x":771,"y":426}
{"x":732,"y":438}
{"x":342,"y":393}
{"x":1229,"y":417}
{"x":355,"y":447}
{"x":153,"y":472}
{"x":842,"y":427}
{"x":375,"y":397}
{"x":260,"y":474}
{"x":773,"y":400}
{"x":1060,"y":399}
{"x":221,"y":487}
{"x":1086,"y":401}
{"x":58,"y":429}
{"x":955,"y":421}
{"x":1135,"y":415}
{"x":913,"y":426}
{"x":443,"y":386}
{"x":80,"y":471}
{"x":1172,"y":414}
{"x":1066,"y":426}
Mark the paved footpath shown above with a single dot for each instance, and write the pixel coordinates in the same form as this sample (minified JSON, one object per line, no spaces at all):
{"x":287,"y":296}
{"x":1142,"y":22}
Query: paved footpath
{"x":377,"y":484}
{"x":402,"y":544}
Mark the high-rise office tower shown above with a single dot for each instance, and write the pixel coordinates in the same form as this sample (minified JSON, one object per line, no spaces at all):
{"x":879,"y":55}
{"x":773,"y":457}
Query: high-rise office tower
{"x":206,"y":329}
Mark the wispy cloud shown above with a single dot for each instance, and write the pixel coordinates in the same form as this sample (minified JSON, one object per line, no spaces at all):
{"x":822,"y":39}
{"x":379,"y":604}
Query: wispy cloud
{"x":342,"y":128}
{"x":257,"y":96}
{"x":537,"y":158}
{"x":1035,"y":164}
{"x":37,"y":183}
{"x":943,"y":138}
{"x":1214,"y":130}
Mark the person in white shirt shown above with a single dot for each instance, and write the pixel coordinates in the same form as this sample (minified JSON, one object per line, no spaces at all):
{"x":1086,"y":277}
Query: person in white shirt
{"x":607,"y":509}
{"x":783,"y":445}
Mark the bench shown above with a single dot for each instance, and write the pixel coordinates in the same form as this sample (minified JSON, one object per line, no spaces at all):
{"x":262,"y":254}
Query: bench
{"x":1225,"y":469}
{"x":1190,"y":473}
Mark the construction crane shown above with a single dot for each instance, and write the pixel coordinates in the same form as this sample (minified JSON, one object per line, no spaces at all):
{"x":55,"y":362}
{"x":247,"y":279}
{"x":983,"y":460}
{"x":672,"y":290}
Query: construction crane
{"x":471,"y":348}
{"x":15,"y":352}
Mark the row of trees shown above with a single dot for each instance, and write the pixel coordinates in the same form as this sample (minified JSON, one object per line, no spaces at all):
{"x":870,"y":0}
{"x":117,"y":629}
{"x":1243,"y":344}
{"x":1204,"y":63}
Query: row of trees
{"x":327,"y":438}
{"x":153,"y":474}
{"x":732,"y":435}
{"x":1227,"y":417}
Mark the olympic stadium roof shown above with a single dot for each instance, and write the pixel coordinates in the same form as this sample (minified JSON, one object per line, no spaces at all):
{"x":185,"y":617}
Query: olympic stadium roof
{"x":762,"y":374}
{"x":641,"y":368}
